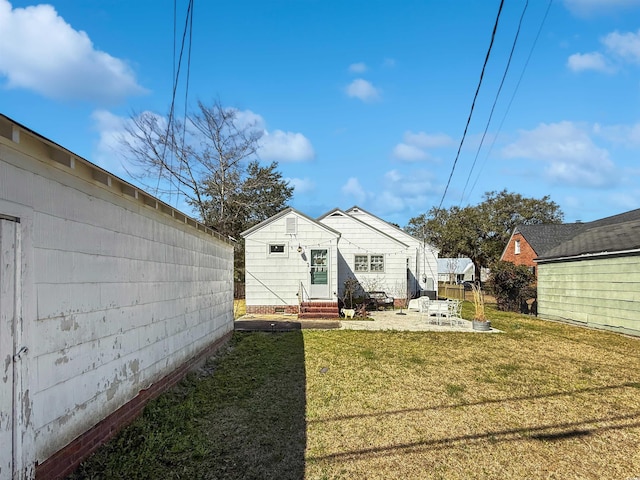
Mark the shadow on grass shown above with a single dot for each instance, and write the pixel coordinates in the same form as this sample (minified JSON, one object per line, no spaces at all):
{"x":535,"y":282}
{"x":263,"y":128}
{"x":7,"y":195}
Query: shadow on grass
{"x":241,"y":416}
{"x":551,"y":432}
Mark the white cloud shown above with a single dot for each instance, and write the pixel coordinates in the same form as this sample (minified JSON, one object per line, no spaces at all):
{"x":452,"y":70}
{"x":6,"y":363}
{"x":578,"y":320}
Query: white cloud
{"x":624,"y":45}
{"x":301,"y":185}
{"x":39,"y":51}
{"x":359,"y":67}
{"x":285,"y":147}
{"x":409,"y":153}
{"x":363,"y":90}
{"x":111,"y":130}
{"x":627,"y":135}
{"x":620,"y":48}
{"x":414,"y":146}
{"x":277,"y":145}
{"x":426,"y":140}
{"x":590,"y":7}
{"x":579,"y":62}
{"x":353,"y":189}
{"x":570,"y":155}
{"x":388,"y":202}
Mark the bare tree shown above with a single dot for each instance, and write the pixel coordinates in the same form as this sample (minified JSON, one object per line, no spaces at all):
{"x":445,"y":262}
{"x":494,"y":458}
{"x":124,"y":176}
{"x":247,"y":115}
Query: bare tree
{"x":201,"y":156}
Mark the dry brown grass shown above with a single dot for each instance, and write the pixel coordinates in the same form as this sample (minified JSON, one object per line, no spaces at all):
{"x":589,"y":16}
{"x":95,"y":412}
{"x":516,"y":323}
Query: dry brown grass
{"x":239,"y":308}
{"x":543,"y":400}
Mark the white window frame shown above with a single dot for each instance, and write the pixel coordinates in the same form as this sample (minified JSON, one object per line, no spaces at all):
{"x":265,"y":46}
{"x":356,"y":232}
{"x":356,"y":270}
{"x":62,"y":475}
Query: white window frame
{"x":378,"y":264}
{"x":284,"y":253}
{"x":368,"y":263}
{"x":360,"y":263}
{"x":516,"y":247}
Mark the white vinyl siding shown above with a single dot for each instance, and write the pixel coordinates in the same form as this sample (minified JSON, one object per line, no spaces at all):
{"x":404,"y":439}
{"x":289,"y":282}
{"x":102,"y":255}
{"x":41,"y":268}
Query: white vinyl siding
{"x":276,"y":279}
{"x":377,"y":261}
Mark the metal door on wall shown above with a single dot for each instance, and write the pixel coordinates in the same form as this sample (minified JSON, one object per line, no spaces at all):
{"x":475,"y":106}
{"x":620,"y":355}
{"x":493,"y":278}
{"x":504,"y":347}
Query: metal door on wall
{"x":319,"y":274}
{"x":8,"y":323}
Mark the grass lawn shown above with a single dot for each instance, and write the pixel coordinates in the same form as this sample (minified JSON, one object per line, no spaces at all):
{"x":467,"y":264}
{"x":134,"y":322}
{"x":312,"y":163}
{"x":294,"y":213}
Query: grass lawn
{"x":543,"y":400}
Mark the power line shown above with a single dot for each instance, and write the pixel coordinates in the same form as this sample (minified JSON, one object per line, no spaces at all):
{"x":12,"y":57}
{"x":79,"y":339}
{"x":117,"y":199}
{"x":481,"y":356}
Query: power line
{"x":486,"y":60}
{"x":524,"y":68}
{"x":495,"y":100}
{"x":170,"y":121}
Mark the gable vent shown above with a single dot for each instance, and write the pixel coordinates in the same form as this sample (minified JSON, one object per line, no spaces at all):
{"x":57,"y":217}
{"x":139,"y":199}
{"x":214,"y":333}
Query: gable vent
{"x":291,"y":226}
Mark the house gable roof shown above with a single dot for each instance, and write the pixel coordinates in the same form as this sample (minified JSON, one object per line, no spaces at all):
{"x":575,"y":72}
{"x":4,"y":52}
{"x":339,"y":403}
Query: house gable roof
{"x":399,"y":231}
{"x":543,"y":237}
{"x":604,"y":238}
{"x":283,"y":213}
{"x":338,"y":212}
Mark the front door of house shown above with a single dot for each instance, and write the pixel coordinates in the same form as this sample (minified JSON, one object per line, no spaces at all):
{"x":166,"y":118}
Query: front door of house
{"x":8,"y":291}
{"x":319,"y":287}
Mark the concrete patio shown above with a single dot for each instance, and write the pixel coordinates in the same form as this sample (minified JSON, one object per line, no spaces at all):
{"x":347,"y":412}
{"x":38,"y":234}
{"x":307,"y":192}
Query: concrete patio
{"x":409,"y":320}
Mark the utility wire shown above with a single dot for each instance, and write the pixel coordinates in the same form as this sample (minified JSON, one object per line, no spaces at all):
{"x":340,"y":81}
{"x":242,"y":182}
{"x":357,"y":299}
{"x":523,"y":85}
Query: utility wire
{"x":175,"y":88}
{"x":524,"y":68}
{"x":486,"y":60}
{"x":186,"y":95}
{"x":495,"y":100}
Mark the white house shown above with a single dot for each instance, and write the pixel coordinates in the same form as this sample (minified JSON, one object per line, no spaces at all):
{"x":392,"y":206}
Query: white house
{"x":295,"y":264}
{"x":456,"y":270}
{"x":290,"y":258}
{"x":107,"y":297}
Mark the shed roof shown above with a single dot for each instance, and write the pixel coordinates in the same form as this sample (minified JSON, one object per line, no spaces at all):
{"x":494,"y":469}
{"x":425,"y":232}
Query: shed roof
{"x":603,"y":238}
{"x":570,"y":239}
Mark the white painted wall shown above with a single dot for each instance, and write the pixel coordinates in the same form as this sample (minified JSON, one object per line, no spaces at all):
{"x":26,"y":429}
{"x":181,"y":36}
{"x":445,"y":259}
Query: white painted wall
{"x":423,"y":260}
{"x":276,"y":279}
{"x":116,"y":294}
{"x":360,"y":239}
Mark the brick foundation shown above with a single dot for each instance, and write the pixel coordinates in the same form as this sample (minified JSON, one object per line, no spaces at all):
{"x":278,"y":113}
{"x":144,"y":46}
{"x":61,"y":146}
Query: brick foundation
{"x":272,"y":309}
{"x":66,"y":460}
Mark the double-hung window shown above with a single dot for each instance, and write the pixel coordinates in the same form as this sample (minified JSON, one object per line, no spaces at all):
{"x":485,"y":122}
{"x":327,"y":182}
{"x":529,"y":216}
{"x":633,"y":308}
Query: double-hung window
{"x":368,"y":263}
{"x":361,"y":263}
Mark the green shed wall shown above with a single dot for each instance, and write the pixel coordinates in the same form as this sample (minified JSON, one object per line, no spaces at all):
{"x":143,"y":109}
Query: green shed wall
{"x":600,"y":292}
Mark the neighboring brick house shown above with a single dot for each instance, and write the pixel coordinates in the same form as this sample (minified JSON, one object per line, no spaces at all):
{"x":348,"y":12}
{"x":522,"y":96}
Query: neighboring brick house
{"x":528,"y":242}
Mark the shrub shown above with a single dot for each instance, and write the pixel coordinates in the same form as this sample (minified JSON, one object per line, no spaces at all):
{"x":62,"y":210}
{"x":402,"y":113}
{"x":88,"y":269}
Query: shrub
{"x":511,"y":285}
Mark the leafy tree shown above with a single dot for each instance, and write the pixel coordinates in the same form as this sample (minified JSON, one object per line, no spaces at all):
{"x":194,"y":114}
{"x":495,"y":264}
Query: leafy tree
{"x":210,"y":159}
{"x":510,"y":284}
{"x":481,"y":232}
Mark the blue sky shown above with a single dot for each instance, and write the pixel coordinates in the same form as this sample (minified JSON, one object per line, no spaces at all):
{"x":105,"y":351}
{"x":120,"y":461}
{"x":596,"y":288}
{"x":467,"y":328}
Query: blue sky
{"x":362,"y":102}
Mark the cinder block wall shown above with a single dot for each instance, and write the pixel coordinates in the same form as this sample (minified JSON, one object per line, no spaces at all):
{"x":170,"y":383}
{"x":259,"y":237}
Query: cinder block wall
{"x":120,"y":290}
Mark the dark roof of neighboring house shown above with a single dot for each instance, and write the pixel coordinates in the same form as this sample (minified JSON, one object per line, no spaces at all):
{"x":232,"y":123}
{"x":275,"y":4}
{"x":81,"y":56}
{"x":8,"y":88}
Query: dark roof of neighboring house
{"x":546,"y":236}
{"x":607,"y":235}
{"x":603,"y":238}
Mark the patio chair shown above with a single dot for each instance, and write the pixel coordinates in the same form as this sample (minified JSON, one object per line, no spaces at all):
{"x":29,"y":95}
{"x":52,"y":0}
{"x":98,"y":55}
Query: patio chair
{"x":455,"y":311}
